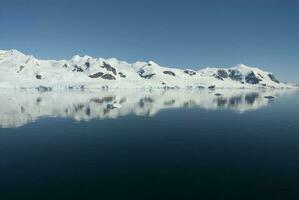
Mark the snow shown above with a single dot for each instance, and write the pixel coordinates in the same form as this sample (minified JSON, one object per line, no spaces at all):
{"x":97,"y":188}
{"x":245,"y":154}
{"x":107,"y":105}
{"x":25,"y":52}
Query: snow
{"x":21,"y":71}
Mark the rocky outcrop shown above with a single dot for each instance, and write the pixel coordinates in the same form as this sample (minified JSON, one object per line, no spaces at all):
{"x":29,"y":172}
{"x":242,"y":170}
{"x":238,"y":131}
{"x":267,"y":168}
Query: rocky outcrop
{"x":222,"y":73}
{"x":38,"y":76}
{"x":144,"y":75}
{"x":96,"y":75}
{"x":251,"y":78}
{"x":148,"y":76}
{"x":235,"y":75}
{"x":189,"y":72}
{"x":169,"y":73}
{"x":122,"y":75}
{"x":109,"y":68}
{"x":87,"y":65}
{"x":108,"y":77}
{"x":21,"y":68}
{"x":273,"y":78}
{"x":218,"y":77}
{"x":77,"y":69}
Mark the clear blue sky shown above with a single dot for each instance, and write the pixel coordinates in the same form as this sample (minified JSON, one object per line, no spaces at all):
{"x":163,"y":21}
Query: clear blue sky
{"x":183,"y":33}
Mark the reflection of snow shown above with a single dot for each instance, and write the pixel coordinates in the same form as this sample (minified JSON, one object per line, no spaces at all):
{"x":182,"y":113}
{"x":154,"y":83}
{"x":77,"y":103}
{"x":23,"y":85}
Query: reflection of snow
{"x":19,"y":108}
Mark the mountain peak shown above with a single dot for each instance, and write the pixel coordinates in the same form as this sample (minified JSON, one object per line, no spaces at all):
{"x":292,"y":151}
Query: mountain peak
{"x":242,"y":66}
{"x":11,"y":52}
{"x":152,"y":63}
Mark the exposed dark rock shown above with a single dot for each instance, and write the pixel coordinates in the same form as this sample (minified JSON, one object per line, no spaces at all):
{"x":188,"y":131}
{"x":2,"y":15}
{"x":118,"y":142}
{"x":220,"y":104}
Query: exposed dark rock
{"x":260,"y":75}
{"x":218,"y":77}
{"x":65,"y":66}
{"x":170,"y":87}
{"x":108,"y":77}
{"x":77,"y":69}
{"x":218,"y":94}
{"x":21,"y":68}
{"x":38,"y":76}
{"x":201,"y":87}
{"x":235,"y":75}
{"x":169,"y":73}
{"x":273,"y":78}
{"x":264,"y":85}
{"x":252,"y":79}
{"x":222,"y":73}
{"x":109,"y":68}
{"x":96,"y":75}
{"x":87,"y":65}
{"x":211,"y":87}
{"x":122,"y":75}
{"x":189,"y":72}
{"x":27,"y":61}
{"x":148,"y":76}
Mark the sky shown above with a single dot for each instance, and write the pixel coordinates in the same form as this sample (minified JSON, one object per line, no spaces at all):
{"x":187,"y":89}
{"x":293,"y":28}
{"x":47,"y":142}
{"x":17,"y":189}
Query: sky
{"x":176,"y":33}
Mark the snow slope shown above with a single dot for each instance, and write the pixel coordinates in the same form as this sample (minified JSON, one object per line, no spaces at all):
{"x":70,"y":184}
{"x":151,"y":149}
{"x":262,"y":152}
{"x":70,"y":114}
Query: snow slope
{"x":25,"y":71}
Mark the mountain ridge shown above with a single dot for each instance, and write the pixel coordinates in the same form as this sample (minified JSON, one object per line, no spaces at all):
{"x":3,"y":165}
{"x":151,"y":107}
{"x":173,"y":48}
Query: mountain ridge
{"x":25,"y":71}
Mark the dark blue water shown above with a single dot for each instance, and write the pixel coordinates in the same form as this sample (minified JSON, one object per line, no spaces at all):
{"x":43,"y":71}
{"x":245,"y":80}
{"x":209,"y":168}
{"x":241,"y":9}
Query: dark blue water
{"x":184,"y":153}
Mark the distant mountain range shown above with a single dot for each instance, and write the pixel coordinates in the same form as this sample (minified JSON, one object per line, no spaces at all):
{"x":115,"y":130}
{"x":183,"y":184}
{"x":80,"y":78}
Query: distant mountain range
{"x":25,"y":71}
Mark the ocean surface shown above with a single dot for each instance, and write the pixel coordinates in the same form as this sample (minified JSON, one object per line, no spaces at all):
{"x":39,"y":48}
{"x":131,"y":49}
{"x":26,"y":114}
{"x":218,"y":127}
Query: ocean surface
{"x":203,"y":144}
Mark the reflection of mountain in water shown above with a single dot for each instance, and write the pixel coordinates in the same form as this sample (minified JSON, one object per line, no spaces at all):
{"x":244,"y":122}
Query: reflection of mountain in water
{"x":19,"y":108}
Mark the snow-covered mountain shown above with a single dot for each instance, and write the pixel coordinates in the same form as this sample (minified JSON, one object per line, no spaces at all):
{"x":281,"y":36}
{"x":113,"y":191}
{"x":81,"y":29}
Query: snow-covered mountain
{"x":25,"y":71}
